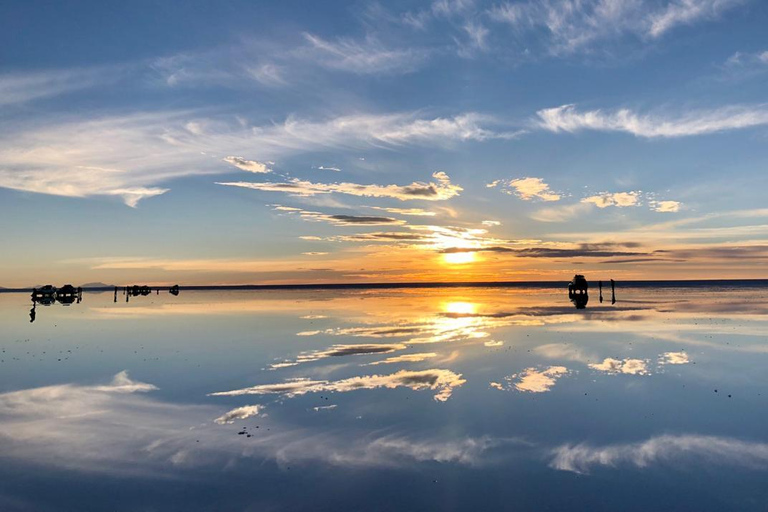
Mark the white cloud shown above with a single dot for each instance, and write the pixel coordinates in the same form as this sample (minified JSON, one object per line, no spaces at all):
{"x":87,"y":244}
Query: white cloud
{"x":127,"y":156}
{"x":117,"y":429}
{"x":567,"y":118}
{"x":239,"y":413}
{"x":618,"y":199}
{"x":533,"y":380}
{"x":666,"y":206}
{"x":527,"y":189}
{"x":673,"y":358}
{"x":720,"y":451}
{"x":440,"y":190}
{"x":248,"y":165}
{"x":442,"y":381}
{"x":627,"y":366}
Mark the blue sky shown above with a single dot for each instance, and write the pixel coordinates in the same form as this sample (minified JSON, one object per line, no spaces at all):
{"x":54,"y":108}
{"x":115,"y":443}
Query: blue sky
{"x":234,"y":142}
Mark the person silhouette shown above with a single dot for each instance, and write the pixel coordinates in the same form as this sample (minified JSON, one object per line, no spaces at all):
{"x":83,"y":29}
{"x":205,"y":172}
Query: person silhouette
{"x":600,"y":288}
{"x":613,"y":292}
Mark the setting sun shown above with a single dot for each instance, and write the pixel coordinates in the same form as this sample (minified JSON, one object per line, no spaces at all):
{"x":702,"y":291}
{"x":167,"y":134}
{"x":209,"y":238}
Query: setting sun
{"x":459,"y":258}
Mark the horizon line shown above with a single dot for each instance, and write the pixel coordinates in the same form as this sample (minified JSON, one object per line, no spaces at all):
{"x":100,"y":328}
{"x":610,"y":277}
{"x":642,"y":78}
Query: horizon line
{"x":416,"y":284}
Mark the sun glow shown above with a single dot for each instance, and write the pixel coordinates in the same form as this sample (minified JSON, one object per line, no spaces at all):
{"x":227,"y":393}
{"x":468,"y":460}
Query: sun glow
{"x":460,"y":308}
{"x":459,"y":258}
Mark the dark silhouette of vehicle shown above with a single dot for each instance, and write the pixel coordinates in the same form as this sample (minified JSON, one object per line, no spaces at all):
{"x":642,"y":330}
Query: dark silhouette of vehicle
{"x":578,"y":291}
{"x":44,"y":291}
{"x":137,"y":290}
{"x":68,"y":294}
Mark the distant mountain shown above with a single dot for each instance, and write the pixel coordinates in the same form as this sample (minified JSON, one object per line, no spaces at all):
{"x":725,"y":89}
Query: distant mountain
{"x":97,"y":285}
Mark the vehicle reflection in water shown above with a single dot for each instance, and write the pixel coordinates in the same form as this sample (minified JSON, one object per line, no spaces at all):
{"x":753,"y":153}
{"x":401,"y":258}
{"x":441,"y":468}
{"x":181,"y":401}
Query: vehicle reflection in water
{"x":459,"y":385}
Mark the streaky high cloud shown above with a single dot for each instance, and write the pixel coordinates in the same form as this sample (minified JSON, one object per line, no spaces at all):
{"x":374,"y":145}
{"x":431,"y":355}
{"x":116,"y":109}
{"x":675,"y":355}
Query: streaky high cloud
{"x":442,"y":381}
{"x":362,"y":57}
{"x":687,"y":12}
{"x":714,"y":450}
{"x":17,"y":88}
{"x":440,"y":190}
{"x":128,"y":156}
{"x":569,"y":26}
{"x":568,"y":118}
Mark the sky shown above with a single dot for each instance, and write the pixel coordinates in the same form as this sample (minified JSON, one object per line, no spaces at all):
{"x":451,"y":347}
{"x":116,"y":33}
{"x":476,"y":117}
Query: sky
{"x":236,"y":142}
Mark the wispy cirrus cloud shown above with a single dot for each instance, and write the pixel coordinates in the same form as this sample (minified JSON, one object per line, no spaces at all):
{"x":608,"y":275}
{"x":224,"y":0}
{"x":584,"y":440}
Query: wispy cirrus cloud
{"x":567,"y":118}
{"x":581,"y":458}
{"x":129,"y":156}
{"x":687,"y":12}
{"x":17,"y":88}
{"x":369,"y":56}
{"x":568,"y":26}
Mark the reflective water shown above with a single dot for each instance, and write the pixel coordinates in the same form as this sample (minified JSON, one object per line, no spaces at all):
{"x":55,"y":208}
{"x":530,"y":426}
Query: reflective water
{"x":433,"y":399}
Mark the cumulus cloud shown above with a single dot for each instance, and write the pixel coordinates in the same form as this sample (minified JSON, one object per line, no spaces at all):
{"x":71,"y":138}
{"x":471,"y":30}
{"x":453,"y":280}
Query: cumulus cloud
{"x":567,"y":118}
{"x":665,"y":206}
{"x":442,"y":381}
{"x":673,"y":358}
{"x":628,"y":366}
{"x":440,"y":190}
{"x":534,"y":380}
{"x":720,"y":451}
{"x":526,"y":189}
{"x":247,"y":165}
{"x":618,"y":199}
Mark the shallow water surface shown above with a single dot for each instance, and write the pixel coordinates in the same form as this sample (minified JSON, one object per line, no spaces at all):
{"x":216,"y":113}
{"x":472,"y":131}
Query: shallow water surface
{"x":412,"y":399}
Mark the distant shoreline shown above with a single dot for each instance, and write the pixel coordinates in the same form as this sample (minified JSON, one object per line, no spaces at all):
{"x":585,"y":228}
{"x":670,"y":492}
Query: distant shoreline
{"x":468,"y":284}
